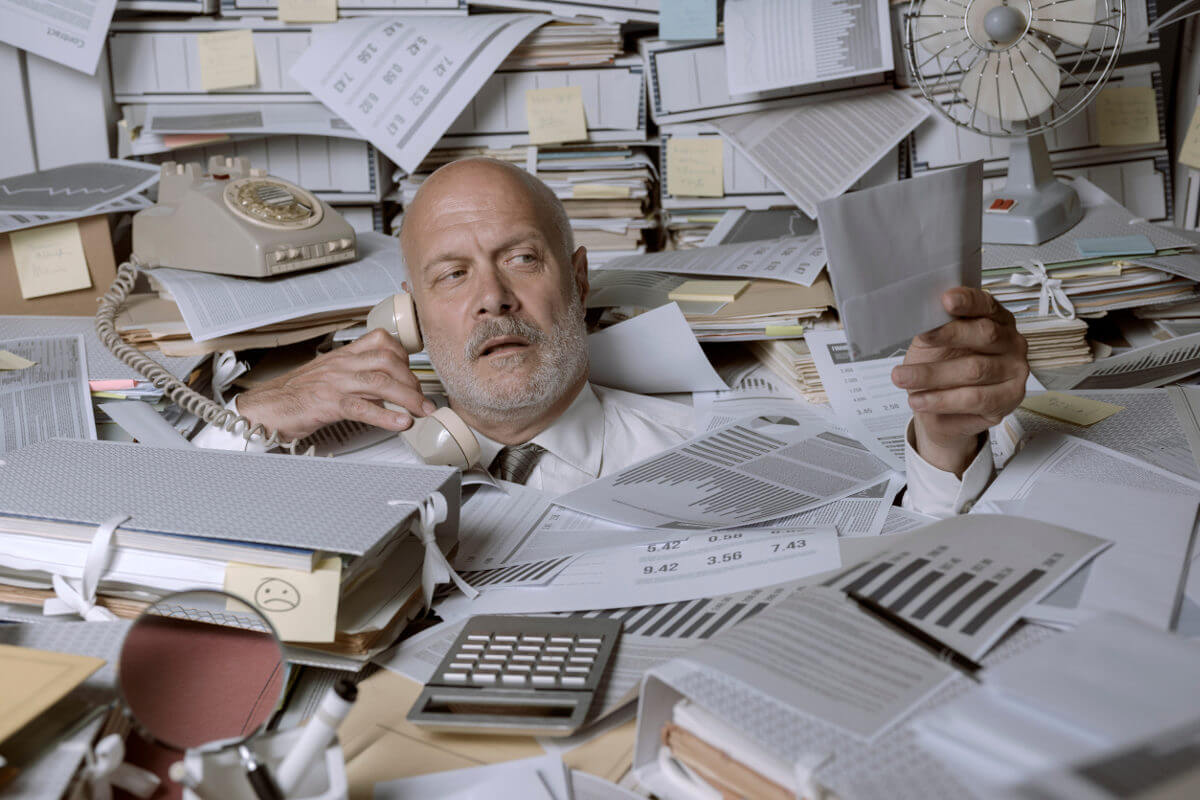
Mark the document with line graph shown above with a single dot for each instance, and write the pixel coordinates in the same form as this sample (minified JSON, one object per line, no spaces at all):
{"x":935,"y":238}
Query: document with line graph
{"x":966,"y":580}
{"x":749,"y":472}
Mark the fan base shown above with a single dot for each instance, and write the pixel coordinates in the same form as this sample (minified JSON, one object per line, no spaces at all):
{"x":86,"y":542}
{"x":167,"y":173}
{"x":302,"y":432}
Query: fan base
{"x":1034,"y":217}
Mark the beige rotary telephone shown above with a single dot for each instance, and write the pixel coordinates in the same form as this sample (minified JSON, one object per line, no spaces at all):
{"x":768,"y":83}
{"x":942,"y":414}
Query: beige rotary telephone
{"x":442,"y":437}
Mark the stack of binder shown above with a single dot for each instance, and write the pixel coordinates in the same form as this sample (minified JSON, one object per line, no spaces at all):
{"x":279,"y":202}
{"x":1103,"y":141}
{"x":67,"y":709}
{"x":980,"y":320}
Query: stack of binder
{"x":188,"y":515}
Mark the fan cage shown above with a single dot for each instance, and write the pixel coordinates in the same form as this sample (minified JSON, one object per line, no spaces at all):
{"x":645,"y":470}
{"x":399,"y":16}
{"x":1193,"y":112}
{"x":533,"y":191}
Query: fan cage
{"x":1083,"y":70}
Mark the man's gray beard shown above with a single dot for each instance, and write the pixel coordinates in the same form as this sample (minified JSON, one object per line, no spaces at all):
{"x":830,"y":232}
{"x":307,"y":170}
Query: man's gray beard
{"x":561,"y":360}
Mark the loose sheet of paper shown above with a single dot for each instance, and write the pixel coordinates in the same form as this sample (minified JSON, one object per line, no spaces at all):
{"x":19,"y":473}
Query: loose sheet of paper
{"x":772,"y":44}
{"x":797,"y":259}
{"x":303,"y":606}
{"x":87,"y":186}
{"x":226,"y":60}
{"x":555,"y":114}
{"x":696,"y":166}
{"x":50,"y":260}
{"x":402,"y":81}
{"x":739,"y":475}
{"x":667,"y":571}
{"x":1153,"y":365}
{"x":71,"y":34}
{"x":143,"y":423}
{"x":218,"y":305}
{"x":1141,"y":576}
{"x":819,"y":150}
{"x":817,"y":652}
{"x":50,"y":399}
{"x":967,"y":580}
{"x":36,"y":679}
{"x":758,"y":393}
{"x":620,"y":357}
{"x":1127,"y":115}
{"x":687,"y":19}
{"x":924,"y":236}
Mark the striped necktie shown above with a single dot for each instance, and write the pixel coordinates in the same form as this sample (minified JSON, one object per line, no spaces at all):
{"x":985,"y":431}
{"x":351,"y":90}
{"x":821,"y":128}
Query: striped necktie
{"x":515,"y":462}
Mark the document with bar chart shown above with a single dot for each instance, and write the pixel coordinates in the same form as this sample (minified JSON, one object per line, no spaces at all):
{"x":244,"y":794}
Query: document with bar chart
{"x":750,"y":472}
{"x":966,"y":580}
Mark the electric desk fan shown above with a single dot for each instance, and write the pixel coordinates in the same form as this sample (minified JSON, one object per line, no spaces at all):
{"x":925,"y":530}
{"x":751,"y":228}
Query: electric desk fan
{"x":1015,"y":69}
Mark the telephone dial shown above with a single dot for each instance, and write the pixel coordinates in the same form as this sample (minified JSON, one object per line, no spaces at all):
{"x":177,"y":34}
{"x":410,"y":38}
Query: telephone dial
{"x":442,"y":437}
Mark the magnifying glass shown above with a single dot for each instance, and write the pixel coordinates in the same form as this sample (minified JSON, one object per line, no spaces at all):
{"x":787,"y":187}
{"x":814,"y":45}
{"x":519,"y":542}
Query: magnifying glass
{"x":201,"y":668}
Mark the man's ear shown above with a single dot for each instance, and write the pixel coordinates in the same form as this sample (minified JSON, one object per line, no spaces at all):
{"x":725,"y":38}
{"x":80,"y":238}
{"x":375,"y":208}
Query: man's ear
{"x":579,"y":267}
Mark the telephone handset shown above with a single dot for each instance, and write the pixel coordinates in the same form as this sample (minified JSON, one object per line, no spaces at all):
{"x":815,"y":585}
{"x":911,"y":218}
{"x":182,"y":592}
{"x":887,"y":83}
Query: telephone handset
{"x":442,"y":437}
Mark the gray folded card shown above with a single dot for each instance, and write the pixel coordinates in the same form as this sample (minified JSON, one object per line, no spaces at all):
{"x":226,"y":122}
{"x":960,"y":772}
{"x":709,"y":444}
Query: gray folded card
{"x":894,"y":249}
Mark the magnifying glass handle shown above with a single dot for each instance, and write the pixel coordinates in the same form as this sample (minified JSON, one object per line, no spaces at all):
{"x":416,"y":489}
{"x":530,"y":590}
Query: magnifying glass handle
{"x":260,"y":779}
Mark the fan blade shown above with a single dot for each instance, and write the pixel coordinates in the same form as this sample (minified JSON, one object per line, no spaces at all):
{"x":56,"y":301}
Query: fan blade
{"x":938,"y":27}
{"x":1015,"y":84}
{"x":1072,"y":21}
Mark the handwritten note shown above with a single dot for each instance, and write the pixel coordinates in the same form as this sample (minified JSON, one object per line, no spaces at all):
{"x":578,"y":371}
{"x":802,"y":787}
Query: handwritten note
{"x":1127,"y":115}
{"x":302,"y":606}
{"x":308,"y":10}
{"x":1082,"y":411}
{"x":555,"y":115}
{"x":696,"y":166}
{"x":598,"y":191}
{"x":226,"y":60}
{"x":1190,"y":152}
{"x":687,"y":19}
{"x":13,"y":361}
{"x":50,"y":260}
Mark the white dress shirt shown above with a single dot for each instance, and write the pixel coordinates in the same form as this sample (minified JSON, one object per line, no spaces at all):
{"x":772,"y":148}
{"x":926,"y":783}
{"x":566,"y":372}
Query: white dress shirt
{"x":605,"y":430}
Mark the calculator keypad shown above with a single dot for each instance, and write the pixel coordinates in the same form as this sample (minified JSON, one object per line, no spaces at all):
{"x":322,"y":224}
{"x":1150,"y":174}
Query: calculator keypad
{"x":522,"y":660}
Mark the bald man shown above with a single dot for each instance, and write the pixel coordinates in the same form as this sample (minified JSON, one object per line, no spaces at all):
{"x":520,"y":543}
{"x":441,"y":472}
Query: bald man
{"x":500,"y":290}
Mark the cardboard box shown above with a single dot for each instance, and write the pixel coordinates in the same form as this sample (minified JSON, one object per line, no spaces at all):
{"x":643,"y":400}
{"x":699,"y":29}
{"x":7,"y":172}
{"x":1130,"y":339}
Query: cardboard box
{"x":97,"y":249}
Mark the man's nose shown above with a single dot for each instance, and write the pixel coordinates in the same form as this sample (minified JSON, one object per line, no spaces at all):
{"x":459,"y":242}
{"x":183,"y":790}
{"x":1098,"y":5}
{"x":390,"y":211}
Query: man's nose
{"x":495,"y":296}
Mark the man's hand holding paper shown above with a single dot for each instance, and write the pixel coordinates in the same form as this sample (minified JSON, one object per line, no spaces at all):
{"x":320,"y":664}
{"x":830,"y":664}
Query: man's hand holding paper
{"x":963,"y":377}
{"x":913,"y":270}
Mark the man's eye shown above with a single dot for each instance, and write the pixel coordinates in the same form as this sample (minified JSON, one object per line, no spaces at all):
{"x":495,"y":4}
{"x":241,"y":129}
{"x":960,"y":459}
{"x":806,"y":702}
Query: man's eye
{"x":524,"y":259}
{"x":453,"y":274}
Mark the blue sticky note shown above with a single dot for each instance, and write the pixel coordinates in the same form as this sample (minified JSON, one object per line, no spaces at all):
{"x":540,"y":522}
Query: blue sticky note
{"x":687,"y":19}
{"x":1105,"y":246}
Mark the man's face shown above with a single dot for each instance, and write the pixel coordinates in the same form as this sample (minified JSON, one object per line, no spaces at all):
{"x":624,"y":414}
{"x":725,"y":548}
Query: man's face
{"x":501,"y":314}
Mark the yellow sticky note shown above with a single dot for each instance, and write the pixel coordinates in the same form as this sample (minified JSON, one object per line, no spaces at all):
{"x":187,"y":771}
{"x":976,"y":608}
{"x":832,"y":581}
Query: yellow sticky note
{"x":1190,"y":152}
{"x":226,"y":60}
{"x":50,"y":260}
{"x":34,"y":680}
{"x":555,"y":115}
{"x":308,"y":10}
{"x":784,"y":330}
{"x":599,"y":191}
{"x":13,"y":361}
{"x":708,"y":291}
{"x":1082,"y":411}
{"x":302,"y":606}
{"x":696,"y":166}
{"x":1127,"y":115}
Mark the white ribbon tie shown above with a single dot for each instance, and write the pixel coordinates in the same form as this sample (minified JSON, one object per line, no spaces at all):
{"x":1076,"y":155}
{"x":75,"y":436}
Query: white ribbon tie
{"x":1051,"y":297}
{"x":435,"y":569}
{"x":79,"y":597}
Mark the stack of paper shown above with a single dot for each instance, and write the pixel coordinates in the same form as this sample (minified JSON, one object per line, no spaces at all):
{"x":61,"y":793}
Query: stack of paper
{"x":1108,"y":261}
{"x":608,"y":191}
{"x":567,"y":43}
{"x":198,"y":313}
{"x":184,"y":520}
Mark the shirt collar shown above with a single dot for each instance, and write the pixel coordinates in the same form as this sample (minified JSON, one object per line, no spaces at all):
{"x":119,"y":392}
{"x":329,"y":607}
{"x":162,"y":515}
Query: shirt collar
{"x":577,"y":436}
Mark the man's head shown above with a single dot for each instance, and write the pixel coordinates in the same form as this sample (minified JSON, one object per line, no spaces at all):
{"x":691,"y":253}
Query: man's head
{"x":498,"y":289}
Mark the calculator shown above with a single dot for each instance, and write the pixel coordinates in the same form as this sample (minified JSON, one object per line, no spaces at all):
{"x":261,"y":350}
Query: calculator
{"x":520,"y":675}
